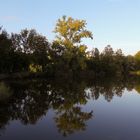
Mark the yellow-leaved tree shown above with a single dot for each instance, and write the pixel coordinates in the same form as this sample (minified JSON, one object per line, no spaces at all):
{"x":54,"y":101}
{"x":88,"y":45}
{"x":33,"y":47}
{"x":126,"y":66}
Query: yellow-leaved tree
{"x":69,"y":34}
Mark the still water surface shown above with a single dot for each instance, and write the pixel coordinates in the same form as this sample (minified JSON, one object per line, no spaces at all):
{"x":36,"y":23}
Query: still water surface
{"x":69,"y":110}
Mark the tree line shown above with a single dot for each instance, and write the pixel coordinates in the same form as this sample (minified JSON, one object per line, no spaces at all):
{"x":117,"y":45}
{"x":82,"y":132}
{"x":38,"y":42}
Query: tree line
{"x":30,"y":51}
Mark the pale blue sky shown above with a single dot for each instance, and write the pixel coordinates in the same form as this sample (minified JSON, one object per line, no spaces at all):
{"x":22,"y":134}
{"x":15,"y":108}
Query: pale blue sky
{"x":114,"y":22}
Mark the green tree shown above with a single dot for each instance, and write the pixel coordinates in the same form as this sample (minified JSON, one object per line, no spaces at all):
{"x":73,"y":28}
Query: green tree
{"x":119,"y":61}
{"x":6,"y":52}
{"x":93,"y":61}
{"x":107,"y":60}
{"x":137,"y":58}
{"x":33,"y":46}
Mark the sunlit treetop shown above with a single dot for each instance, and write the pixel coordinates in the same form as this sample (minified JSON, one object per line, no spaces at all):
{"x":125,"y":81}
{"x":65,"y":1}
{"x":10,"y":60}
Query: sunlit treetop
{"x":137,"y":56}
{"x":70,"y":32}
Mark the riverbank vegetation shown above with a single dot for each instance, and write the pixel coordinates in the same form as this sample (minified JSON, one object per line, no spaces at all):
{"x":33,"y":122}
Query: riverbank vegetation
{"x":30,"y":53}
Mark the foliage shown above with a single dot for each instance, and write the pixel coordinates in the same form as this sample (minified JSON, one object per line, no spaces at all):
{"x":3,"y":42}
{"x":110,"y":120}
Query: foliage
{"x":137,"y":58}
{"x":5,"y":92}
{"x":29,"y":51}
{"x":70,"y":32}
{"x":35,"y":68}
{"x":6,"y":52}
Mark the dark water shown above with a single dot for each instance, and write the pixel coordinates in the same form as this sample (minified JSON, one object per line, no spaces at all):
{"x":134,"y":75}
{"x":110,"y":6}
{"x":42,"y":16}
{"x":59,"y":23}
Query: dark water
{"x":70,"y":110}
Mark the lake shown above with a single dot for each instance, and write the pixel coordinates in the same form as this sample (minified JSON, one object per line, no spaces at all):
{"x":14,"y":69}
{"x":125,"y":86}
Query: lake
{"x":70,"y":109}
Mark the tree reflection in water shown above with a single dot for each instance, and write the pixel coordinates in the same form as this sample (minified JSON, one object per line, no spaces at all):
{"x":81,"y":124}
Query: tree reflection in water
{"x":31,"y":100}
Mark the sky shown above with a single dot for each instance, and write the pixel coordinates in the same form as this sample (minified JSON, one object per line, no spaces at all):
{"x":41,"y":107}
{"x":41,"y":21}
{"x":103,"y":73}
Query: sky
{"x":113,"y":22}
